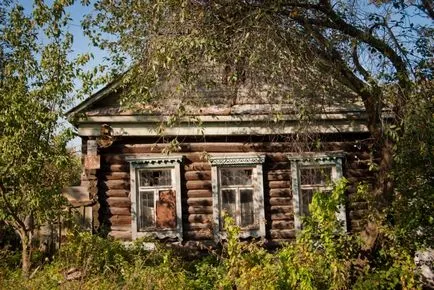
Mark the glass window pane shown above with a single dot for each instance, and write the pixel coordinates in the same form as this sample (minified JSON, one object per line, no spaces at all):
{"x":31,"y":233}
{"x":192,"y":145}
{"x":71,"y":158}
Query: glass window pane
{"x":166,"y":209}
{"x":319,"y":176}
{"x":228,"y":202}
{"x":246,"y":206}
{"x":146,"y":210}
{"x":236,"y":176}
{"x":306,"y":199}
{"x":161,"y":177}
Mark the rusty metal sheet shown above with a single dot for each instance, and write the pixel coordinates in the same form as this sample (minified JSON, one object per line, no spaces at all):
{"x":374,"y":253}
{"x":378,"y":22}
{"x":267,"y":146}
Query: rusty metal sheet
{"x":92,"y":161}
{"x":166,"y":209}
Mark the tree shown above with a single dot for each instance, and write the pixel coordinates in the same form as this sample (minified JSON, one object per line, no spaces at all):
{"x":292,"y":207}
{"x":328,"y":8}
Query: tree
{"x":36,"y":78}
{"x":377,"y":52}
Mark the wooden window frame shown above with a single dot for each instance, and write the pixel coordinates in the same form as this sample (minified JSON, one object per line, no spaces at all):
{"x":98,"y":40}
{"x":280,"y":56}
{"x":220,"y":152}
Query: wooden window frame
{"x":154,"y":163}
{"x":250,"y":161}
{"x":333,"y":160}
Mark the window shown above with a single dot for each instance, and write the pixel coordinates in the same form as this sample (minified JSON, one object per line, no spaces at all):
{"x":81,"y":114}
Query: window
{"x":237,"y":185}
{"x":156,"y":197}
{"x":311,"y":174}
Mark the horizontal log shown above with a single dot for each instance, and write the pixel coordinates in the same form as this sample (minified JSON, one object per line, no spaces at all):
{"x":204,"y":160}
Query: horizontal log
{"x":280,"y":184}
{"x":196,"y":226}
{"x":121,"y":235}
{"x":199,"y":201}
{"x":282,"y":216}
{"x":280,"y":192}
{"x":198,"y":235}
{"x":197,"y":175}
{"x":115,"y":184}
{"x":279,"y":157}
{"x":124,"y":202}
{"x":198,"y":166}
{"x":198,"y":184}
{"x":197,"y":157}
{"x":120,"y":219}
{"x":117,"y":193}
{"x":120,"y":211}
{"x":282,"y":225}
{"x":198,"y":193}
{"x":200,"y":218}
{"x":283,"y":234}
{"x":200,"y":209}
{"x":358,"y":214}
{"x":281,"y":209}
{"x":116,"y":176}
{"x":279,"y":175}
{"x":121,"y":228}
{"x":280,"y":201}
{"x":278,"y":165}
{"x":114,"y":159}
{"x":107,"y":167}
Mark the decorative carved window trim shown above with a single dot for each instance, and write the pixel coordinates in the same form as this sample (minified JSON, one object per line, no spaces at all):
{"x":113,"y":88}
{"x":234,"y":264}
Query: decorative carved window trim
{"x":333,"y":160}
{"x":155,"y":162}
{"x":250,"y":161}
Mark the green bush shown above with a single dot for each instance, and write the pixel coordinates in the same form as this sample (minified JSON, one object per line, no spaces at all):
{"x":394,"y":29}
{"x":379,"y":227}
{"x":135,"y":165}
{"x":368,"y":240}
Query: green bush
{"x":323,"y":256}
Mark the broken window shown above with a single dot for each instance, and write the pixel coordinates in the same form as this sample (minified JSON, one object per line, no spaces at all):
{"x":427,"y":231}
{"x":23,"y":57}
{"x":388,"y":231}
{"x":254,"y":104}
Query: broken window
{"x":238,"y":192}
{"x":156,"y":197}
{"x":157,"y":203}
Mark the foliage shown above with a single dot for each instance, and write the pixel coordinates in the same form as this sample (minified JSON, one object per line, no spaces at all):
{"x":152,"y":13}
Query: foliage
{"x":36,"y":78}
{"x":323,"y":256}
{"x":311,"y":54}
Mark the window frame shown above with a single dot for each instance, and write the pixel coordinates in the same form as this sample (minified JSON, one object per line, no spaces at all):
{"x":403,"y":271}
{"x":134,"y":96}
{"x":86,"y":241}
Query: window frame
{"x":333,"y":160}
{"x":155,"y":163}
{"x":250,"y":161}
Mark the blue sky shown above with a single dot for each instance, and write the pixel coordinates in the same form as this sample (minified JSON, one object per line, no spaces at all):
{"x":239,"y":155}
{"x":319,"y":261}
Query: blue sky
{"x":81,"y":45}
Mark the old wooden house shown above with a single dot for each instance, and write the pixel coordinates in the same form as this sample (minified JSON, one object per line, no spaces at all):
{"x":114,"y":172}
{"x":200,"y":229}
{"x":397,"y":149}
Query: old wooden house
{"x":175,"y":184}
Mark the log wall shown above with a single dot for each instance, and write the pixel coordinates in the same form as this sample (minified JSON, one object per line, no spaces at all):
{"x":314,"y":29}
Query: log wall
{"x":114,"y":185}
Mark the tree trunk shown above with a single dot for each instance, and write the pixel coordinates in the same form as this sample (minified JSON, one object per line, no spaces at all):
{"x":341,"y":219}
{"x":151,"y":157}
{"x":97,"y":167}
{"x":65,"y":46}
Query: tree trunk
{"x":26,"y":255}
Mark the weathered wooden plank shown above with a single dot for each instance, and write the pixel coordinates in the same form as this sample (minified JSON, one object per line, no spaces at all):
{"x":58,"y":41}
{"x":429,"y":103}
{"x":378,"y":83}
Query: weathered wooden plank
{"x":197,"y":175}
{"x":280,"y":184}
{"x":278,"y":157}
{"x":119,"y":202}
{"x":200,"y":201}
{"x":120,"y":211}
{"x":280,"y":201}
{"x":199,"y":193}
{"x":278,"y":165}
{"x":196,"y":226}
{"x":116,"y":176}
{"x":198,"y":166}
{"x":117,"y":184}
{"x":279,"y":175}
{"x":120,"y":219}
{"x":200,"y":218}
{"x":198,"y":184}
{"x":118,"y":193}
{"x":282,"y":225}
{"x":282,"y":216}
{"x":198,"y":235}
{"x":281,"y":209}
{"x":281,"y":192}
{"x":107,"y":167}
{"x":197,"y":157}
{"x":121,"y":235}
{"x":200,"y":209}
{"x":282,"y":234}
{"x":121,"y":228}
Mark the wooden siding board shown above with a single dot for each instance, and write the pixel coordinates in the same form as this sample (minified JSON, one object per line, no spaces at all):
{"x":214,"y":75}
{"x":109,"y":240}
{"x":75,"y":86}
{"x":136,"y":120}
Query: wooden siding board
{"x":113,"y":187}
